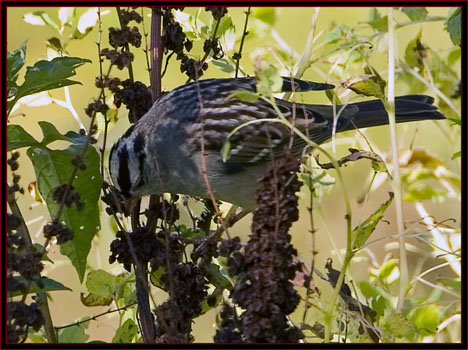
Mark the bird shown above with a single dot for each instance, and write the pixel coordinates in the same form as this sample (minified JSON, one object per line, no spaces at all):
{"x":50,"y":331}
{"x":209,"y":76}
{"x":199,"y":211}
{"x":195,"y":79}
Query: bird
{"x":178,"y":143}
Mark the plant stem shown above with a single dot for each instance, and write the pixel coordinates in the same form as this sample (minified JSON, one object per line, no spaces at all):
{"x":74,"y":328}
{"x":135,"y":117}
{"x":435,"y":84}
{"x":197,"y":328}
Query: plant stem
{"x":244,"y":34}
{"x":396,"y":182}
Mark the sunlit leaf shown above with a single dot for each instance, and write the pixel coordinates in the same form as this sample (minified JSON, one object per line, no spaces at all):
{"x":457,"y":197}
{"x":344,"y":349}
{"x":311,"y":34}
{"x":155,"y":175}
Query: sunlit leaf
{"x":265,"y":14}
{"x":400,"y":326}
{"x":414,"y":13}
{"x":362,"y":232}
{"x":453,"y":25}
{"x":74,"y":333}
{"x":126,"y":332}
{"x":426,"y":318}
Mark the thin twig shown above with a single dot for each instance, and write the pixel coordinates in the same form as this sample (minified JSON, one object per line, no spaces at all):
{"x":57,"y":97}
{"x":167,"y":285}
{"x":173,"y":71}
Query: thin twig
{"x":244,"y":34}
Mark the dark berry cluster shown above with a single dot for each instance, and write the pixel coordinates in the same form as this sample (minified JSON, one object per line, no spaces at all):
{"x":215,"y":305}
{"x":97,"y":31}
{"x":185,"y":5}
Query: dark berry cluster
{"x":121,"y":37}
{"x":78,"y":161}
{"x":127,"y":16}
{"x":231,"y":327}
{"x":135,"y":96}
{"x":59,"y":230}
{"x":13,"y":161}
{"x":119,"y":58}
{"x":67,"y":195}
{"x":263,"y":288}
{"x":114,"y":200}
{"x":14,"y":165}
{"x":145,"y":246}
{"x":21,"y":317}
{"x":111,"y":83}
{"x":217,"y":12}
{"x":163,"y":210}
{"x":187,"y":286}
{"x":96,"y":107}
{"x":215,"y":46}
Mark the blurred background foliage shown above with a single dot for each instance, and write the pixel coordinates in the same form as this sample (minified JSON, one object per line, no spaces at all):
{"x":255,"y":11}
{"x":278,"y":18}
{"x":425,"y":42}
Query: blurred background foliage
{"x":344,"y":38}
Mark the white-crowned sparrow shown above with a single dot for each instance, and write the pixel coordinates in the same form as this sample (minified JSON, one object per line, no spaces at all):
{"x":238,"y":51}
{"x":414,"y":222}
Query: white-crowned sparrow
{"x":162,"y":152}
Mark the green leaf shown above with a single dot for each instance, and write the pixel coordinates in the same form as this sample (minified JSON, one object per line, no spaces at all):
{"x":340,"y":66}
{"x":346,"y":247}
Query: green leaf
{"x":386,"y":270}
{"x":265,"y":14}
{"x":67,"y":16}
{"x":400,"y":326}
{"x":456,"y":155}
{"x":452,"y":283}
{"x":225,"y":150}
{"x":15,"y":61}
{"x":74,"y":334}
{"x":426,"y":318}
{"x":51,"y":134}
{"x":17,"y":137}
{"x":367,"y":85}
{"x":54,"y":168}
{"x":414,"y":13}
{"x":55,"y":44}
{"x":362,"y":232}
{"x":46,"y":19}
{"x":339,"y":32}
{"x":378,"y":22}
{"x":216,"y":277}
{"x":126,"y":332}
{"x":45,"y":285}
{"x":244,"y":95}
{"x":415,"y":52}
{"x":102,"y":283}
{"x":369,"y":289}
{"x":269,"y":79}
{"x":94,"y":300}
{"x":155,"y":278}
{"x":224,"y":65}
{"x":48,"y":75}
{"x":453,"y":25}
{"x":454,"y":56}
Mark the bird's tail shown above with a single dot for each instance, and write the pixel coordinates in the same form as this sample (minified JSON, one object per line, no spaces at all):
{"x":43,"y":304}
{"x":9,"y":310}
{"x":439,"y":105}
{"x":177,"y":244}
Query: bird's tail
{"x":407,"y":108}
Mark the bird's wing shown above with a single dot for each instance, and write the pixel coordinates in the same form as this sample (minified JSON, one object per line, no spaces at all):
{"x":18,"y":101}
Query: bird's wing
{"x":254,"y":130}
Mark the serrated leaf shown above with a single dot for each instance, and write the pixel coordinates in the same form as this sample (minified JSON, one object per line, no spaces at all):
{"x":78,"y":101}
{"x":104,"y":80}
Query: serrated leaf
{"x":51,"y":134}
{"x":48,"y":75}
{"x":45,"y":284}
{"x":102,"y":283}
{"x":269,"y":79}
{"x":17,"y":137}
{"x":400,"y":326}
{"x":265,"y":14}
{"x":126,"y":332}
{"x":74,"y":334}
{"x":453,"y":25}
{"x":378,"y":22}
{"x":414,"y":13}
{"x":54,"y":168}
{"x":362,"y":232}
